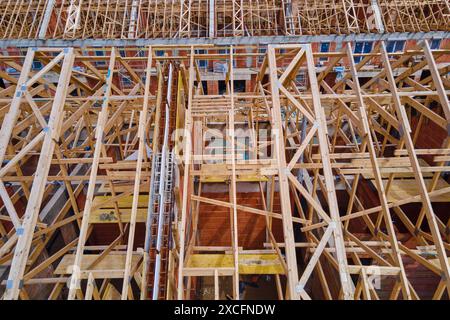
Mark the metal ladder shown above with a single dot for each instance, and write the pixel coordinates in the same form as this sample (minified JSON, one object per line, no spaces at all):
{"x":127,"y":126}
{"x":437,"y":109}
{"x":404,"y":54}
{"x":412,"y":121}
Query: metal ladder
{"x":160,"y":217}
{"x":160,"y":207}
{"x":163,"y":208}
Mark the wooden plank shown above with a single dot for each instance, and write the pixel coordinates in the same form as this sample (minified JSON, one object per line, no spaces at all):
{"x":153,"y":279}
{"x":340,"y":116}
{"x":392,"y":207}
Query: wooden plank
{"x":378,"y":180}
{"x":37,"y":191}
{"x":109,"y":216}
{"x":137,"y":182}
{"x":114,"y":262}
{"x":426,"y":202}
{"x":187,"y":140}
{"x":239,"y":178}
{"x":288,"y":233}
{"x":111,"y":293}
{"x":248,"y":263}
{"x":104,"y":202}
{"x":10,"y":119}
{"x":403,"y":189}
{"x":345,"y":279}
{"x":101,"y":122}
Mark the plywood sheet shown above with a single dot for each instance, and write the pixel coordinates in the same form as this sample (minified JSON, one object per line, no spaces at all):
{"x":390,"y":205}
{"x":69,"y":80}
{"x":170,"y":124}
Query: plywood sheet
{"x":106,"y":213}
{"x":248,"y":263}
{"x":406,"y":188}
{"x":114,"y":262}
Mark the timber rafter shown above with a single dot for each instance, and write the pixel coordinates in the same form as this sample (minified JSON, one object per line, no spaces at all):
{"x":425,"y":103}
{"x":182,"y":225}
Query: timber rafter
{"x":78,"y":142}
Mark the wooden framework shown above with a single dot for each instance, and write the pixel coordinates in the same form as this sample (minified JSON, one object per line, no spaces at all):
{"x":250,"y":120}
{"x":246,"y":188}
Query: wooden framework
{"x":143,"y":19}
{"x":326,"y":135}
{"x":82,"y":145}
{"x":347,"y":190}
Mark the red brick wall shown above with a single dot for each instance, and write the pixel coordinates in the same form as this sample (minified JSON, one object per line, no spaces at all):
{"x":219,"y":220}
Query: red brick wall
{"x":214,"y":222}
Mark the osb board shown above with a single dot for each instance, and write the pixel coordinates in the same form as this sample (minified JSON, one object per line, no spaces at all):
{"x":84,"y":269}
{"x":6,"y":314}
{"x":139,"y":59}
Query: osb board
{"x":111,"y":293}
{"x":248,"y":263}
{"x":239,"y":178}
{"x":436,"y":262}
{"x":385,"y":175}
{"x":108,"y":215}
{"x":402,"y":189}
{"x":124,"y":202}
{"x":110,"y":262}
